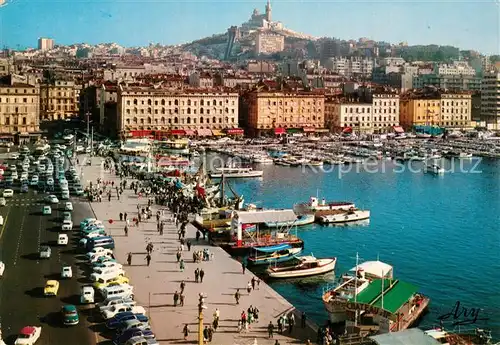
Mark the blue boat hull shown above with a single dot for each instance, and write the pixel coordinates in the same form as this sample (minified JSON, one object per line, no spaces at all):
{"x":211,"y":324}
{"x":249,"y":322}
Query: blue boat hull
{"x":272,"y":260}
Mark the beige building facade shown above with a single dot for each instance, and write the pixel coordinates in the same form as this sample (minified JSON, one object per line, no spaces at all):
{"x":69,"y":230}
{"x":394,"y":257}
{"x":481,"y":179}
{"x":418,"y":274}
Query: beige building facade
{"x":277,"y":111}
{"x":59,"y":100}
{"x":490,"y":100}
{"x":266,"y":43}
{"x":144,"y":108}
{"x":456,"y":110}
{"x":45,"y":43}
{"x":19,"y":112}
{"x":385,"y":112}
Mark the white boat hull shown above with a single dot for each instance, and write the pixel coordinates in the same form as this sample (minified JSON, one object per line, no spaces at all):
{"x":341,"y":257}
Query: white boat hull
{"x":434,"y":170}
{"x":249,"y":174}
{"x":328,"y":266}
{"x":345,"y":217}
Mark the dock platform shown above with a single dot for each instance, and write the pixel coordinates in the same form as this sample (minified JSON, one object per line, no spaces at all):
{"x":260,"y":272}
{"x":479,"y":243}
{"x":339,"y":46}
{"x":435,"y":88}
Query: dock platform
{"x":155,"y":285}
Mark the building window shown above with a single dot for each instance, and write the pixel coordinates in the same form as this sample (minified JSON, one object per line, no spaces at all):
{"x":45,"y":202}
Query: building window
{"x":135,"y":120}
{"x":189,"y":109}
{"x":162,"y":102}
{"x":149,"y":110}
{"x":162,"y":120}
{"x":201,"y":119}
{"x":127,"y":121}
{"x":188,"y":120}
{"x":214,"y":102}
{"x":202,"y":102}
{"x":227,"y":110}
{"x":188,"y":102}
{"x":149,"y":120}
{"x":208,"y":120}
{"x":135,"y":101}
{"x":214,"y":120}
{"x":201,"y":111}
{"x":176,"y":102}
{"x":176,"y":119}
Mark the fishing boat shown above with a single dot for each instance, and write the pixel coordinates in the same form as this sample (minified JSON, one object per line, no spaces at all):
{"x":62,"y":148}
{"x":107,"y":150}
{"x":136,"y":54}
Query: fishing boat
{"x":464,"y":155}
{"x":350,"y":285}
{"x":475,"y":336}
{"x":272,"y":254}
{"x":307,"y":266}
{"x":236,"y":173}
{"x":433,"y":168}
{"x":314,"y":205}
{"x":345,"y":216}
{"x":301,"y":220}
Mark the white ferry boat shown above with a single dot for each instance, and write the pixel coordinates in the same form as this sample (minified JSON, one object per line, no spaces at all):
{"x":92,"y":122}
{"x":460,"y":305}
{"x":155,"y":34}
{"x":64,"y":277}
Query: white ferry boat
{"x":314,"y":206}
{"x":236,"y":173}
{"x":433,"y":169}
{"x":351,"y":284}
{"x":307,"y":266}
{"x":262,"y":160}
{"x":345,"y":217}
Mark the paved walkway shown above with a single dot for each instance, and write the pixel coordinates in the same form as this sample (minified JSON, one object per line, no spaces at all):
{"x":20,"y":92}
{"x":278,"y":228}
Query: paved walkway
{"x":154,"y":286}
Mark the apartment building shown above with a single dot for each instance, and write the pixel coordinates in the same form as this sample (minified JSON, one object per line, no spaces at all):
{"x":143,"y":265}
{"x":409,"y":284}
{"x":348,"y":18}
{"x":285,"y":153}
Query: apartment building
{"x":148,"y":108}
{"x":490,"y":100}
{"x":19,"y":111}
{"x":385,"y":111}
{"x":275,"y":112}
{"x":45,"y":43}
{"x":59,"y":100}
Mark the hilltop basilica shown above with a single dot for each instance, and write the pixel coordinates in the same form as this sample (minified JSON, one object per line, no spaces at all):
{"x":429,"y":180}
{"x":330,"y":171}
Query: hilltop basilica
{"x":261,"y":21}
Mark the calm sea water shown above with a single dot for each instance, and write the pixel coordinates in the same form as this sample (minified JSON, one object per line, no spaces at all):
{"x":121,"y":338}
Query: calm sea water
{"x":441,"y":233}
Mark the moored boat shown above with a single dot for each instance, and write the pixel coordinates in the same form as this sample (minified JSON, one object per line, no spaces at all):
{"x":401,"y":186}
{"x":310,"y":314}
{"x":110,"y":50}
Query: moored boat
{"x":344,"y":217}
{"x":307,"y":266}
{"x":433,"y":169}
{"x":314,"y":206}
{"x":273,"y":254}
{"x":301,"y":220}
{"x":236,"y":173}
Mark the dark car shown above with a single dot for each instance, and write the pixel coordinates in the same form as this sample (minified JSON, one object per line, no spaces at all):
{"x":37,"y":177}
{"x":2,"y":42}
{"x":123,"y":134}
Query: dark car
{"x":24,"y":188}
{"x":119,"y":318}
{"x":133,"y":332}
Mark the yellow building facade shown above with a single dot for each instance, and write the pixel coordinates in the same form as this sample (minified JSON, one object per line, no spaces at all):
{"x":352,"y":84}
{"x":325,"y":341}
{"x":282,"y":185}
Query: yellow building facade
{"x":277,"y":111}
{"x":59,"y":100}
{"x":19,"y":112}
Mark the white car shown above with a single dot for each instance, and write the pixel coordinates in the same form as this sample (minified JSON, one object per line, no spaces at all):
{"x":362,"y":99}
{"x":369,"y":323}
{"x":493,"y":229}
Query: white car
{"x":68,"y":206}
{"x":96,"y":257}
{"x":28,"y":335}
{"x":62,"y":239}
{"x":67,"y":225}
{"x":109,"y":303}
{"x":1,"y":220}
{"x":87,"y":294}
{"x":52,"y":199}
{"x":99,"y":250}
{"x":105,"y":274}
{"x":8,"y":193}
{"x":108,"y":265}
{"x":66,"y":272}
{"x":109,"y":313}
{"x":2,"y":268}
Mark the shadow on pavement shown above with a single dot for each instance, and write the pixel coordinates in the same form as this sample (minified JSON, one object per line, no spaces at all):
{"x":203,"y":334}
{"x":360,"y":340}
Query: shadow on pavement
{"x":53,"y":320}
{"x":31,"y":256}
{"x":73,"y":299}
{"x":36,"y":292}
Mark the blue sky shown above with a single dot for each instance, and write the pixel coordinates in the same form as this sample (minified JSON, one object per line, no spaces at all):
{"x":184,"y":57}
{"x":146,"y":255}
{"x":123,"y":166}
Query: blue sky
{"x":472,"y":24}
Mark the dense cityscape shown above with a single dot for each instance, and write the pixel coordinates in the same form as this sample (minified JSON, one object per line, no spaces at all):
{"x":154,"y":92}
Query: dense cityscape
{"x":180,"y":194}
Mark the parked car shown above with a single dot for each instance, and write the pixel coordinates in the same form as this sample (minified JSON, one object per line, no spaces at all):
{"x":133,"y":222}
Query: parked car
{"x":62,"y":239}
{"x":8,"y":193}
{"x":128,"y":324}
{"x":98,"y":250}
{"x":141,"y":341}
{"x":47,"y":210}
{"x":28,"y":335}
{"x":3,"y":202}
{"x":125,"y":336}
{"x":119,"y":319}
{"x":68,"y":206}
{"x":111,"y":312}
{"x":51,"y":199}
{"x":67,"y":225}
{"x":112,"y":301}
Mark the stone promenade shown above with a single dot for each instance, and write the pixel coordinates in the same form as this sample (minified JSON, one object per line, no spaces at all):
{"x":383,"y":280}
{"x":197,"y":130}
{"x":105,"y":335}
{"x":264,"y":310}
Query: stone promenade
{"x":154,"y":285}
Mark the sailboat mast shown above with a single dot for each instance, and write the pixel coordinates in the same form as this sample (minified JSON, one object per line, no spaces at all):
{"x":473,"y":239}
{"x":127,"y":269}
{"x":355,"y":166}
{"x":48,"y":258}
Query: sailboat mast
{"x":383,"y":278}
{"x":356,"y":292}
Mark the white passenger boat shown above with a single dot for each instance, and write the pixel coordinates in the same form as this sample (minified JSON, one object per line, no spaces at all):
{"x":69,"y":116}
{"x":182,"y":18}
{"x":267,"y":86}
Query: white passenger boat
{"x":262,"y":160}
{"x":305,"y":219}
{"x":433,"y":169}
{"x":464,"y":155}
{"x":351,"y":284}
{"x":345,"y":217}
{"x":314,"y":205}
{"x":236,"y":173}
{"x":307,"y":266}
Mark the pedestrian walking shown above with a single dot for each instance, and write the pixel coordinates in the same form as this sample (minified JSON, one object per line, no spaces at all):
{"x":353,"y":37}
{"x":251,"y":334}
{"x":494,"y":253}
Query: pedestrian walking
{"x":243,"y":266}
{"x":125,"y":230}
{"x":121,"y":216}
{"x":253,"y":283}
{"x":188,"y":243}
{"x":185,"y":331}
{"x":249,"y":287}
{"x":148,"y":258}
{"x":270,"y":330}
{"x":125,"y":216}
{"x":181,"y":296}
{"x":202,"y":274}
{"x":205,"y":334}
{"x":197,"y":235}
{"x":129,"y":259}
{"x":196,"y":275}
{"x":181,"y":265}
{"x":176,"y":298}
{"x":237,"y":296}
{"x":178,"y":255}
{"x":303,"y":320}
{"x":183,"y":286}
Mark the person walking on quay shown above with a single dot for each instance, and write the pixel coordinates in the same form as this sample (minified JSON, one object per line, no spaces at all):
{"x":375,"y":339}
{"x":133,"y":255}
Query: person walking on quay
{"x":185,"y":331}
{"x":178,"y":255}
{"x":125,"y":216}
{"x":188,"y":243}
{"x":270,"y":330}
{"x":121,"y":216}
{"x":237,"y":296}
{"x":183,"y":286}
{"x":181,"y":265}
{"x":243,"y":266}
{"x":176,"y":298}
{"x":125,"y":230}
{"x":181,"y":297}
{"x":249,"y":288}
{"x":215,"y":324}
{"x":196,"y":275}
{"x":253,"y":283}
{"x":202,"y":274}
{"x":197,"y":235}
{"x":148,"y":259}
{"x":205,"y":334}
{"x":129,"y":259}
{"x":303,"y":320}
{"x":276,"y":342}
{"x":210,"y":334}
{"x":217,"y":315}
{"x":291,"y":323}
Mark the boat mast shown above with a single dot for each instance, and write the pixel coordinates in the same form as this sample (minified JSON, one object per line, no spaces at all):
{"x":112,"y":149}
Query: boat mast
{"x":356,"y":292}
{"x":383,"y":278}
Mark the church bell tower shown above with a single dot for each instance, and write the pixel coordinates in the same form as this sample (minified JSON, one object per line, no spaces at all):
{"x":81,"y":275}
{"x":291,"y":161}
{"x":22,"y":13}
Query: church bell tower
{"x":268,"y":11}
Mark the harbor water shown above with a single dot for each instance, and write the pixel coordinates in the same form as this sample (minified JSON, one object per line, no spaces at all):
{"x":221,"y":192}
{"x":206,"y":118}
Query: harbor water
{"x":441,"y":233}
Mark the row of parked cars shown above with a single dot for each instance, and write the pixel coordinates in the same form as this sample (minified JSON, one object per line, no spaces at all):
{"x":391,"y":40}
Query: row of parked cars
{"x":122,"y":317}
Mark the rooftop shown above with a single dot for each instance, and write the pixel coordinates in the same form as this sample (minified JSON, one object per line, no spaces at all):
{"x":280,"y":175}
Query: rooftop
{"x":412,"y":336}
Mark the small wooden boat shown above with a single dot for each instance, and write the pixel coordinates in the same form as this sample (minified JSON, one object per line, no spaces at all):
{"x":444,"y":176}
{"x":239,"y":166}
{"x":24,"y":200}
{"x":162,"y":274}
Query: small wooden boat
{"x":307,"y":266}
{"x":273,"y":254}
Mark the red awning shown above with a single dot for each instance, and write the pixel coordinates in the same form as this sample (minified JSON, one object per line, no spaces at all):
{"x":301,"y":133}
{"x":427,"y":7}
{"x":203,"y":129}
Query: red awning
{"x":309,"y":129}
{"x":141,"y":133}
{"x":177,"y":132}
{"x":347,"y":130}
{"x":398,"y":129}
{"x":279,"y":131}
{"x":189,"y":132}
{"x":204,"y":132}
{"x":234,"y":131}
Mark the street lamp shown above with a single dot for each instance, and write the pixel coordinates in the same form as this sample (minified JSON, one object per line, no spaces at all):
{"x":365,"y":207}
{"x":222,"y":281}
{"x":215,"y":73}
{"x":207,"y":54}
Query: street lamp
{"x":201,"y":306}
